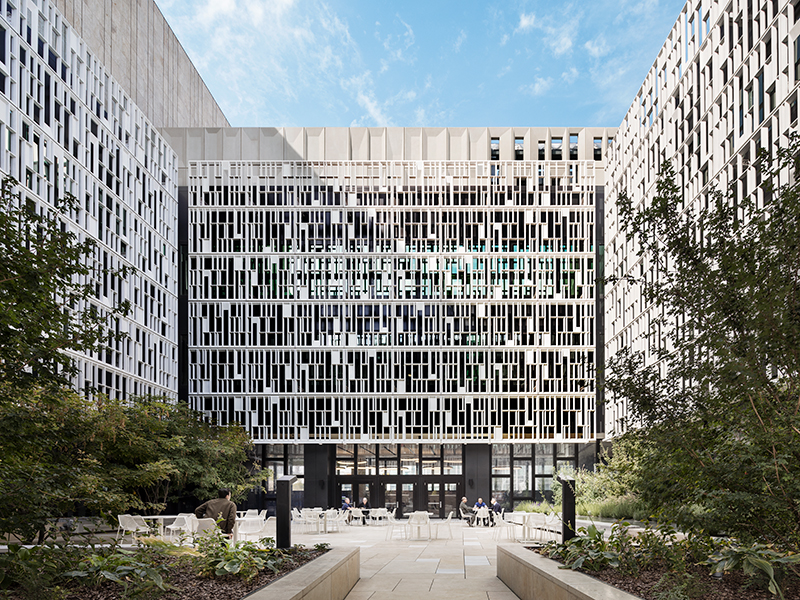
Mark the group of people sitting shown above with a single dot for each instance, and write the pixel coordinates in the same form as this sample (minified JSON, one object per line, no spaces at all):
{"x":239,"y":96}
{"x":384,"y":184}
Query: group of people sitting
{"x":363,"y":505}
{"x":470,"y":513}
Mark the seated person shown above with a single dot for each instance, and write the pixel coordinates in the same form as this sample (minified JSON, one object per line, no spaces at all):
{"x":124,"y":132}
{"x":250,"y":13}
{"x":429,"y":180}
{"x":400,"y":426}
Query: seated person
{"x":364,"y":504}
{"x":479,"y":504}
{"x":465,"y":512}
{"x":494,"y":510}
{"x":346,"y":504}
{"x":219,"y":508}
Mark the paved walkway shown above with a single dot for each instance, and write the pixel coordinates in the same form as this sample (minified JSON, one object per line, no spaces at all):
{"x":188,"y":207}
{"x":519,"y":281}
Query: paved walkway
{"x":462,"y":568}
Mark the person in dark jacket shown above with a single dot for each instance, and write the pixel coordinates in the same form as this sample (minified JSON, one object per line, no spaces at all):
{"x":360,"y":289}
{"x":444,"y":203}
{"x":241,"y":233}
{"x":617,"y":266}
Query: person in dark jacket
{"x":220,"y":509}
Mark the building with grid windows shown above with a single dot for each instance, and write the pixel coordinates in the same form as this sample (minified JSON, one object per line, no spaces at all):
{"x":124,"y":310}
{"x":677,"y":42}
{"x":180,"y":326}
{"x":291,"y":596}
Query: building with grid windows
{"x":68,"y":126}
{"x":397,"y":301}
{"x":408,"y":314}
{"x":724,"y":85}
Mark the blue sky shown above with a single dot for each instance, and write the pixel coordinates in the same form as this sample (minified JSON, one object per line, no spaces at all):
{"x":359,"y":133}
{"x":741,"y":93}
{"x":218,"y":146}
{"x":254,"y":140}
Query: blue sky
{"x":373,"y":63}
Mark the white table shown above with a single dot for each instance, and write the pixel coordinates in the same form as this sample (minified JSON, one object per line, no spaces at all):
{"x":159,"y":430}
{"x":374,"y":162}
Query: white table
{"x":417,"y":520}
{"x":316,"y":518}
{"x":160,"y":521}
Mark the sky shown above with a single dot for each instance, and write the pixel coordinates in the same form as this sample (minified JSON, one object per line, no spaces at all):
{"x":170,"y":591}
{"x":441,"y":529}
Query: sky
{"x":340,"y":63}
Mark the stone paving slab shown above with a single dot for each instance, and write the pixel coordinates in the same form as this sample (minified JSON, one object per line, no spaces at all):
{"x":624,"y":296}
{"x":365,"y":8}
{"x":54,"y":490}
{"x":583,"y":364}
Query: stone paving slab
{"x":463,"y":567}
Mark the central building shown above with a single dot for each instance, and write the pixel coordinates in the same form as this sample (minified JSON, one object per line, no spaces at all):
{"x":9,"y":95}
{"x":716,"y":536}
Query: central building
{"x":406,"y":314}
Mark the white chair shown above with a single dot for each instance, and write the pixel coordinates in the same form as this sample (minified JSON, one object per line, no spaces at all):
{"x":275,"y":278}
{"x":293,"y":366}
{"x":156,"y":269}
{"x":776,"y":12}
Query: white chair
{"x":312,"y":518}
{"x":182,"y":524}
{"x":298,"y":520}
{"x":255,"y":529}
{"x":394,"y":524}
{"x":333,"y":519}
{"x":501,"y":525}
{"x":465,"y":516}
{"x":551,"y":526}
{"x":132,"y":524}
{"x":264,"y":514}
{"x":356,"y":514}
{"x":532,"y":528}
{"x":251,"y":513}
{"x":205,"y":527}
{"x":378,"y":516}
{"x":445,"y":523}
{"x":417,"y":520}
{"x":482,"y":515}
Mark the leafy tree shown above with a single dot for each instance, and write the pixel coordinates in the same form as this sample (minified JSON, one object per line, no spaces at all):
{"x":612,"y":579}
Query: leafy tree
{"x":719,"y":428}
{"x":47,"y":291}
{"x":162,"y":451}
{"x":59,"y":450}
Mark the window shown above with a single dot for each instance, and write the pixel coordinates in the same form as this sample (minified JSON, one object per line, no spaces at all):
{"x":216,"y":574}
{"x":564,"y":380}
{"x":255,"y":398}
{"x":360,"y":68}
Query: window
{"x":573,"y":146}
{"x":519,"y":148}
{"x":542,"y":144}
{"x":761,"y":97}
{"x":797,"y":59}
{"x":495,"y":147}
{"x":597,"y":148}
{"x":793,"y":109}
{"x":555,"y":148}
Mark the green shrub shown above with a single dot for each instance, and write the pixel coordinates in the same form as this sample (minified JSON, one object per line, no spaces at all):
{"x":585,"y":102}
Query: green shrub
{"x":535,"y":507}
{"x":626,"y":507}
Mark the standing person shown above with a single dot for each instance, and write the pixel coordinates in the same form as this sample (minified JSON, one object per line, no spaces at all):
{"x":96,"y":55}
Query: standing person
{"x":219,"y":508}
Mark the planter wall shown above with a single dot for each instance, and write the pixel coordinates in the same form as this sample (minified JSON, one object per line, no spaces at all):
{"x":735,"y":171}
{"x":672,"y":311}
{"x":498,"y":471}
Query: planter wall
{"x":534,"y":577}
{"x":329,"y":577}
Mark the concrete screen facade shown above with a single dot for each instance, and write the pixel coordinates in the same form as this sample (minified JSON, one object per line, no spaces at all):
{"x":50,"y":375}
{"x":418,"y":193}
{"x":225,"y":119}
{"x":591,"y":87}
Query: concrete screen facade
{"x":411,"y":314}
{"x":724,"y":84}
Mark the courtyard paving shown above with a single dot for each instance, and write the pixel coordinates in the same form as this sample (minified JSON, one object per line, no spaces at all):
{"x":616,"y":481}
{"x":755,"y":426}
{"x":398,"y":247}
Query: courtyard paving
{"x":464,"y":567}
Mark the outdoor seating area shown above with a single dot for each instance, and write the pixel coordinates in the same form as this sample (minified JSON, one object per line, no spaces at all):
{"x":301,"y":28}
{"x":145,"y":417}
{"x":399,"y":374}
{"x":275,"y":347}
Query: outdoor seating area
{"x":251,"y":525}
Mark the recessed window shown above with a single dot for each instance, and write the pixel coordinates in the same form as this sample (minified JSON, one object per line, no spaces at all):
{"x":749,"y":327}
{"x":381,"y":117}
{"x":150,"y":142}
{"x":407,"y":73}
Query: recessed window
{"x":555,"y":148}
{"x":597,"y":148}
{"x":495,"y":147}
{"x":542,"y":150}
{"x":519,"y":148}
{"x":573,"y":146}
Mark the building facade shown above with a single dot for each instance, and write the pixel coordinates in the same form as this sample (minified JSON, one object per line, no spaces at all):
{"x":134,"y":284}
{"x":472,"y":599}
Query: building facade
{"x":724,"y":85}
{"x":379,"y":295}
{"x":68,"y":127}
{"x":410,"y":314}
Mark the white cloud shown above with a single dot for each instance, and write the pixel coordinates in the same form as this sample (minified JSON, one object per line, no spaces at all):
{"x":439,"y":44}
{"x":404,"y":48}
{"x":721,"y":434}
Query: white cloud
{"x":505,"y":70}
{"x":597,"y":47}
{"x":419,"y":114}
{"x":460,"y":40}
{"x":504,"y":39}
{"x":539,"y":87}
{"x":399,"y":46}
{"x":560,"y":38}
{"x":526,"y":22}
{"x":570,"y":76}
{"x":373,"y":108}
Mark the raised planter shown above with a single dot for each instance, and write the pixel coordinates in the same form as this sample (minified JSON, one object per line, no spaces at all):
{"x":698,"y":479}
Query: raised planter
{"x":329,"y":577}
{"x":534,"y":577}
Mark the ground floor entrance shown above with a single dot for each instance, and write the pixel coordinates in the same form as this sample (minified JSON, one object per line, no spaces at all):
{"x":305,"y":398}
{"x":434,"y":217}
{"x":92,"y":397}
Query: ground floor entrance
{"x":424,"y":476}
{"x":437,"y":495}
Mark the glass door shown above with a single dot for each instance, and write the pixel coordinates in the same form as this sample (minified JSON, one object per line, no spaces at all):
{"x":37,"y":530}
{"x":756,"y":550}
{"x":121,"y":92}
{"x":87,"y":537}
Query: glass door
{"x":388,"y":496}
{"x":433,"y":501}
{"x":452,"y":498}
{"x":407,"y":493}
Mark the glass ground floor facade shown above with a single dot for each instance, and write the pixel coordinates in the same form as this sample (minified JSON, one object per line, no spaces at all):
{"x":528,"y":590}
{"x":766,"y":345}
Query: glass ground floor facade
{"x":409,"y":477}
